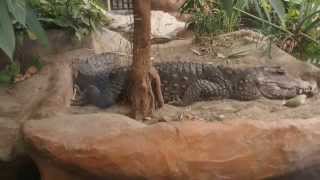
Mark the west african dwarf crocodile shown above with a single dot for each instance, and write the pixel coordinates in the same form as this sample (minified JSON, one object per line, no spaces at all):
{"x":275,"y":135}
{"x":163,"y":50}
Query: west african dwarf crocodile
{"x":102,"y":83}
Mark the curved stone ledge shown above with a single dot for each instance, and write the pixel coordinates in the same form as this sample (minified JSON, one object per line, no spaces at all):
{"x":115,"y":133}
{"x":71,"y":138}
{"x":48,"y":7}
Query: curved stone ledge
{"x":179,"y":150}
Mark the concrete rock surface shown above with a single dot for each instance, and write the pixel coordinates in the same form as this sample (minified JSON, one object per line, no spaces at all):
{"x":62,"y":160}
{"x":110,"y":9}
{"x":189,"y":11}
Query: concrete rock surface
{"x":167,"y":5}
{"x":105,"y":40}
{"x":115,"y":147}
{"x":163,"y":25}
{"x":9,"y":132}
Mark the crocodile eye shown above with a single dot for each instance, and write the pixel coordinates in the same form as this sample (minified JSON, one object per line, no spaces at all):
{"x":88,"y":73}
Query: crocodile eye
{"x":280,"y":72}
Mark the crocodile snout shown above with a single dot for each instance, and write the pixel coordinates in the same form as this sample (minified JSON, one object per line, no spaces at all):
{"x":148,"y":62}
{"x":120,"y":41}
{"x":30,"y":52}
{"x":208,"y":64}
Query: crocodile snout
{"x":309,"y":88}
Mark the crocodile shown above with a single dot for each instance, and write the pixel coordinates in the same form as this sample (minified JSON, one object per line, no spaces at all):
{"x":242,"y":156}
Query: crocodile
{"x":183,"y":83}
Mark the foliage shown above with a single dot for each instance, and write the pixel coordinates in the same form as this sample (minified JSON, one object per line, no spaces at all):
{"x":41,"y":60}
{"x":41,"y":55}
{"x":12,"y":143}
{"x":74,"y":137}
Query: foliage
{"x":294,"y":24}
{"x":298,"y":29}
{"x":7,"y":75}
{"x":36,"y":62}
{"x":21,"y":17}
{"x":212,"y":16}
{"x":78,"y":16}
{"x":192,"y":6}
{"x":229,"y":12}
{"x":17,"y":15}
{"x":313,"y":54}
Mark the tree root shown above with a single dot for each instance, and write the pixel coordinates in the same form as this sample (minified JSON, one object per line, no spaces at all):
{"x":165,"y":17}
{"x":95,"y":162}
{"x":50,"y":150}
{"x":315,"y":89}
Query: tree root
{"x":146,"y":97}
{"x":156,"y":87}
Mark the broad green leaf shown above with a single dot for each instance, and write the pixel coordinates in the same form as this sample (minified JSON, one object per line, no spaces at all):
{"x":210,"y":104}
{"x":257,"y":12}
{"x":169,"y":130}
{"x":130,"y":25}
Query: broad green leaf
{"x":66,"y":23}
{"x":98,"y":5}
{"x":312,"y":25}
{"x":17,"y":9}
{"x":278,"y":6}
{"x":258,"y":8}
{"x":13,"y":69}
{"x":7,"y":38}
{"x":308,"y":18}
{"x":227,"y":6}
{"x":192,"y":5}
{"x":264,"y":6}
{"x":35,"y":27}
{"x":4,"y":78}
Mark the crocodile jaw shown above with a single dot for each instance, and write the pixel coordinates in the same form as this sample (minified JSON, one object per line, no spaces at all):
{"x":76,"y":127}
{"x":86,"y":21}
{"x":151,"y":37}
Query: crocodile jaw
{"x":287,"y":89}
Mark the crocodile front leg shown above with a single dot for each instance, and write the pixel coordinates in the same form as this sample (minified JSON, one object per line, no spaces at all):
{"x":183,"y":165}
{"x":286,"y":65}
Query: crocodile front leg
{"x":103,"y":99}
{"x":92,"y":95}
{"x":79,"y":98}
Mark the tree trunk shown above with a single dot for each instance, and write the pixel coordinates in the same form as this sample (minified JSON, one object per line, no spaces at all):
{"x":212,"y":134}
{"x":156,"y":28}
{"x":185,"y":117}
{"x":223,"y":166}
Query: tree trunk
{"x":143,"y":95}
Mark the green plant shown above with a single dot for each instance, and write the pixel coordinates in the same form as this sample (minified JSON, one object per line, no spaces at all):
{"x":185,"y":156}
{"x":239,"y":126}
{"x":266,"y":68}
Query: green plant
{"x":16,"y":16}
{"x":9,"y":73}
{"x":212,"y":16}
{"x":192,"y":6}
{"x":293,"y":24}
{"x":300,"y":32}
{"x":312,"y":53}
{"x":36,"y":62}
{"x":78,"y":16}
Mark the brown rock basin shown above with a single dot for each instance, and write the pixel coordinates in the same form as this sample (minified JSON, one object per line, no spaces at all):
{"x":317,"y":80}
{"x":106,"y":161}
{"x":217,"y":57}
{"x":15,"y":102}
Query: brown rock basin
{"x":108,"y":146}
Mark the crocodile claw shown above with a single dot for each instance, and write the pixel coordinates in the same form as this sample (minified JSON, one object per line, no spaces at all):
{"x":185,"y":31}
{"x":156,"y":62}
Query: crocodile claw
{"x":78,"y":98}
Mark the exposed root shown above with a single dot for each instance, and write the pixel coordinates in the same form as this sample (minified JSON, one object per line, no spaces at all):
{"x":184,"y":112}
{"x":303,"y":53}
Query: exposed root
{"x":147,"y":96}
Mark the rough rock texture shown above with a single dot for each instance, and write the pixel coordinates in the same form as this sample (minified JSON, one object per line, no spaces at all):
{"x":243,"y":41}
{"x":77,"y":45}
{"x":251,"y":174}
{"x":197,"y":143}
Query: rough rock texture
{"x":9,"y":127}
{"x":61,"y":42}
{"x":185,"y":150}
{"x":11,"y":106}
{"x":106,"y":124}
{"x":9,"y":131}
{"x":47,"y":93}
{"x":163,"y":25}
{"x":105,"y":40}
{"x":167,"y":5}
{"x":50,"y":91}
{"x":13,"y":166}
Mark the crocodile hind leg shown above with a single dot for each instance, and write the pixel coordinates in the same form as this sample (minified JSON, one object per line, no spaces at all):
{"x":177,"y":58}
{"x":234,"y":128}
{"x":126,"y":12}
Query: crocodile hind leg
{"x":92,"y":95}
{"x":203,"y":90}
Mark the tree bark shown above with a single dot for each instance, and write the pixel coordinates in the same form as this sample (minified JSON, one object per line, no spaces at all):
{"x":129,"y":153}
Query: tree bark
{"x":143,"y":96}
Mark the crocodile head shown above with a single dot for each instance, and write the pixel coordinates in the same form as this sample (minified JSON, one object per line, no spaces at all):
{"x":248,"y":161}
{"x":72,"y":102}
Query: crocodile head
{"x":275,"y":83}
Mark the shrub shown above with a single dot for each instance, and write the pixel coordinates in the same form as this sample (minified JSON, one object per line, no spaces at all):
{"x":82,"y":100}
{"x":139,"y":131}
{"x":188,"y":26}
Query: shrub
{"x":293,"y":24}
{"x":78,"y":16}
{"x":17,"y":18}
{"x":211,"y":17}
